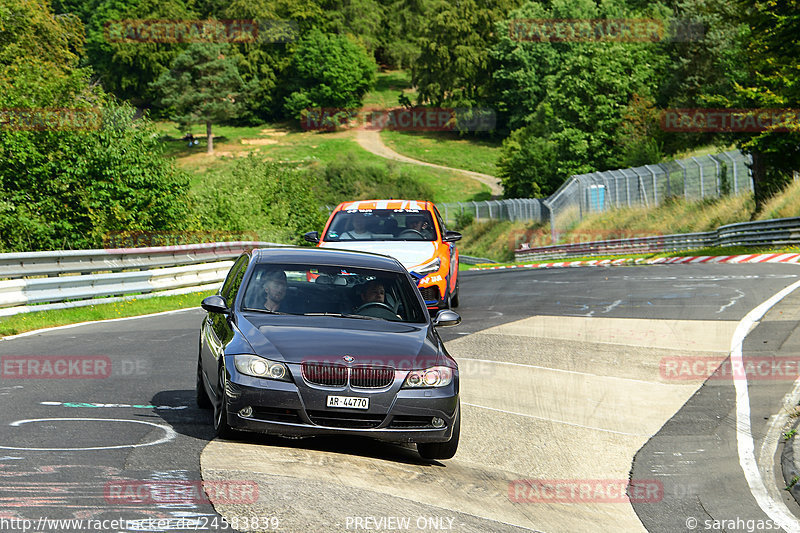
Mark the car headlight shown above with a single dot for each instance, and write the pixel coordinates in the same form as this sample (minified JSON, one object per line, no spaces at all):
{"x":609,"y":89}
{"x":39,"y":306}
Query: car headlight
{"x":436,"y":376}
{"x":252,"y":365}
{"x":428,"y":268}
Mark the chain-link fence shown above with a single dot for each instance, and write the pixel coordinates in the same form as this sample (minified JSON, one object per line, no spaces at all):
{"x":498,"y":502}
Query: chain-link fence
{"x":693,"y":178}
{"x":513,"y":209}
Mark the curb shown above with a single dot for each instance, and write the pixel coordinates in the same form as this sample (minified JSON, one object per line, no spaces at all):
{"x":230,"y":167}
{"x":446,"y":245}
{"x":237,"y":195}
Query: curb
{"x":730,"y":259}
{"x":790,"y":462}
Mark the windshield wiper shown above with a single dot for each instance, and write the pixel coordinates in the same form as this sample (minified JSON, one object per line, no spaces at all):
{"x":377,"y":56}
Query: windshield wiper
{"x":266,"y":311}
{"x":343,"y":315}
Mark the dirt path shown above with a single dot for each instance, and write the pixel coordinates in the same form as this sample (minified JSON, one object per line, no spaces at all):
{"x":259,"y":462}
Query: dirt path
{"x":370,"y":140}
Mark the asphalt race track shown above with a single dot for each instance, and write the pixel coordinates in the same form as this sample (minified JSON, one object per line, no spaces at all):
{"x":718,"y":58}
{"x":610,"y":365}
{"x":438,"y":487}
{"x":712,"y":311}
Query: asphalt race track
{"x":585,"y":408}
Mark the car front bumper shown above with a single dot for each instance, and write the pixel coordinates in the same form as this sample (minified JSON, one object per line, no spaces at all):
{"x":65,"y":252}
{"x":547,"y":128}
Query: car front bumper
{"x":298,"y":409}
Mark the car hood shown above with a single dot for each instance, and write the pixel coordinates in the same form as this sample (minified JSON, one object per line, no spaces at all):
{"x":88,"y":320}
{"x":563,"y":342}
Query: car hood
{"x":296,"y":339}
{"x":409,"y":253}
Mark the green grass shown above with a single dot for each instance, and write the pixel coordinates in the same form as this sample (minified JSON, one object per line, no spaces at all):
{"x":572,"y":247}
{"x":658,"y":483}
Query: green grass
{"x":284,"y":144}
{"x":45,"y":319}
{"x":388,"y":86}
{"x":446,"y":148}
{"x":674,"y":216}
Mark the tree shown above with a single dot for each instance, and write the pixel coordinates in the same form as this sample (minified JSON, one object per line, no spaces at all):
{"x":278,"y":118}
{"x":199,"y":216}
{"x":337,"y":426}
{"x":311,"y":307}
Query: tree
{"x":123,"y":65}
{"x":203,"y":85}
{"x":328,"y":71}
{"x":569,"y":100}
{"x":772,"y":57}
{"x":65,"y":187}
{"x":454,"y":62}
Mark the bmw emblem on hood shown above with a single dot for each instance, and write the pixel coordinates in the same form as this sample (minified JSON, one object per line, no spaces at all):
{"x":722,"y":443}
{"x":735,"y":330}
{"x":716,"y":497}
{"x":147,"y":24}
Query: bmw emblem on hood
{"x":349,"y":358}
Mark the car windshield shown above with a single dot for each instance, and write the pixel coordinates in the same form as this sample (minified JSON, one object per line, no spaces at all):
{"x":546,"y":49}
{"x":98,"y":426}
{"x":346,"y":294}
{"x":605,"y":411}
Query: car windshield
{"x":313,"y":290}
{"x":381,"y":225}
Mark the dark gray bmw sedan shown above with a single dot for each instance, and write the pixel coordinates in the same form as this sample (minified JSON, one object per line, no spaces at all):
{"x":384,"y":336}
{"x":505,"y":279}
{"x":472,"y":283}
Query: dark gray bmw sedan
{"x":304,"y":342}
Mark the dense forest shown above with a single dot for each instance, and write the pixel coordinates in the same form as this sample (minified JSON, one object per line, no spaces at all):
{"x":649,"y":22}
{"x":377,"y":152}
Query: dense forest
{"x":562,"y":106}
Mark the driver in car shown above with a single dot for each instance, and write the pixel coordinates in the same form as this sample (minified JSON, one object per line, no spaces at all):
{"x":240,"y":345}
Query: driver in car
{"x":372,"y":291}
{"x":274,"y":289}
{"x":417,"y":225}
{"x":372,"y":301}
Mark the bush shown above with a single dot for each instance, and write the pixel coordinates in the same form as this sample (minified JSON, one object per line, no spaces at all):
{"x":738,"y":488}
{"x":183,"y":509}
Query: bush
{"x":276,"y":201}
{"x":67,"y":189}
{"x":350,"y":179}
{"x":328,"y":71}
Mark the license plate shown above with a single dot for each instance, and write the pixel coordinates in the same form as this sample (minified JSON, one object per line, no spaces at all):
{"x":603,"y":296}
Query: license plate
{"x":349,"y":402}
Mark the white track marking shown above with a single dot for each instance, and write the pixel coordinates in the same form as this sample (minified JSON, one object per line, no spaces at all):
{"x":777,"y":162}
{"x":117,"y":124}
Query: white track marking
{"x":169,"y":434}
{"x":576,"y":372}
{"x":555,"y":420}
{"x":67,"y":326}
{"x":775,"y":509}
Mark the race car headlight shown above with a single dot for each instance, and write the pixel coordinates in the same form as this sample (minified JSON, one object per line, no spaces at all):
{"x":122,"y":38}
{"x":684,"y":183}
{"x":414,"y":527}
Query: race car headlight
{"x":428,"y":268}
{"x":252,"y":365}
{"x":436,"y":376}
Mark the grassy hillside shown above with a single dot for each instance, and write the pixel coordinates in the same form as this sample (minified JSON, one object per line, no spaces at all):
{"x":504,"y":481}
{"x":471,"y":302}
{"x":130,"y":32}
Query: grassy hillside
{"x":446,"y":148}
{"x":497,"y":239}
{"x":284,"y":143}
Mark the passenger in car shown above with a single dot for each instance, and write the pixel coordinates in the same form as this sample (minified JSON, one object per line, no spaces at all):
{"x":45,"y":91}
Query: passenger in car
{"x":275,"y":289}
{"x":359,"y":231}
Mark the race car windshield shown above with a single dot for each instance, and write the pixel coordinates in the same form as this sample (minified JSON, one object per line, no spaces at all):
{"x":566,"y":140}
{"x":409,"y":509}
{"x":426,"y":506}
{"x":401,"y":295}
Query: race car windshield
{"x":382,"y":225}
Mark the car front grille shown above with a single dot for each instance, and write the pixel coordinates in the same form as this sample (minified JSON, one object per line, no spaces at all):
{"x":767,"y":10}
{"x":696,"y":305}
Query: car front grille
{"x":371,"y":377}
{"x":335,"y":375}
{"x":345,"y":420}
{"x":327,"y":374}
{"x":430,"y":293}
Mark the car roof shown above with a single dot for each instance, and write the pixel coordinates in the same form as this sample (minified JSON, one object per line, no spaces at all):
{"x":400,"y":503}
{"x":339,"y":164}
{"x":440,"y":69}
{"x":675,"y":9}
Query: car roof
{"x":422,"y":205}
{"x":327,"y":257}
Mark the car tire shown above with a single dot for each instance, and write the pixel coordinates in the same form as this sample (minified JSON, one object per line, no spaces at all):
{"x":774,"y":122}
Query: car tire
{"x":442,"y":450}
{"x":203,"y":401}
{"x":454,"y":299}
{"x":221,"y":427}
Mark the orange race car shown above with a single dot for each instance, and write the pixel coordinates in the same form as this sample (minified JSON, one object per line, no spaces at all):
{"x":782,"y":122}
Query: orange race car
{"x":411,"y":231}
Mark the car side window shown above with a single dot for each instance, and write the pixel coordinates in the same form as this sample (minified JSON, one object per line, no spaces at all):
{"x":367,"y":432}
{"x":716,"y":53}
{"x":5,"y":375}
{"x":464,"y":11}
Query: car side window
{"x":231,"y":286}
{"x":440,"y":221}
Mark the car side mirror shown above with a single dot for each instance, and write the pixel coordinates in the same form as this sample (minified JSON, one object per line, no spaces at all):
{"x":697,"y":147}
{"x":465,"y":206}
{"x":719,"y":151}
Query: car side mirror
{"x":215,"y":304}
{"x":312,"y":236}
{"x":447,"y":317}
{"x":451,"y":236}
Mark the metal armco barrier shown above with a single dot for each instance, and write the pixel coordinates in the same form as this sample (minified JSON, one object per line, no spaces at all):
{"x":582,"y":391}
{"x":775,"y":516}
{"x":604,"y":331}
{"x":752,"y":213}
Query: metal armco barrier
{"x":91,"y":275}
{"x":778,"y":231}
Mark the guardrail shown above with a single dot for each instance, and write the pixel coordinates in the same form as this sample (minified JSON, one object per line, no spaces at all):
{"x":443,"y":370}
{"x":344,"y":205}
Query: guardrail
{"x":774,"y":232}
{"x":75,"y":278}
